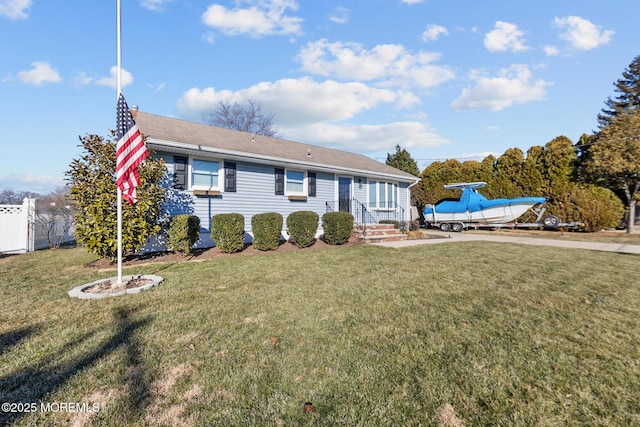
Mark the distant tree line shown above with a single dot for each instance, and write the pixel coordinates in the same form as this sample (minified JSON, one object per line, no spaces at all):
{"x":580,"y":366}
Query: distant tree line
{"x":586,"y":181}
{"x":548,"y":171}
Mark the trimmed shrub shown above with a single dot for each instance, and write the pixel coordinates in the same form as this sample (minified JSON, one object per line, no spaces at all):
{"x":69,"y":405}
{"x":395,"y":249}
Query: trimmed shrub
{"x":184,"y":231}
{"x":302,"y":226}
{"x":266,"y":229}
{"x":227,"y":231}
{"x":596,"y":207}
{"x":338,"y":227}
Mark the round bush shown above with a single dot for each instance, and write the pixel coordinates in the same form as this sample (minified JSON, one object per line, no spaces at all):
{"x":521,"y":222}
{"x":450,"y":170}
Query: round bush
{"x":302,"y":227}
{"x":184,"y":231}
{"x":266,"y":229}
{"x":227,"y":231}
{"x":596,"y":207}
{"x":338,"y":227}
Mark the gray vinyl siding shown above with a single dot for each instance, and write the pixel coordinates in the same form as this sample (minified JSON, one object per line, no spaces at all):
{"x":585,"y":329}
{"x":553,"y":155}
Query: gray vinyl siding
{"x":360,"y":189}
{"x":255,"y":193}
{"x":404,"y":200}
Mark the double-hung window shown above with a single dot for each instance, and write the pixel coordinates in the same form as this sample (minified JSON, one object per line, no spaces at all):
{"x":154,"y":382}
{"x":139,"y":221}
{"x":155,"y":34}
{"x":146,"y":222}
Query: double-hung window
{"x":205,"y":174}
{"x":383,"y":195}
{"x":295,"y":183}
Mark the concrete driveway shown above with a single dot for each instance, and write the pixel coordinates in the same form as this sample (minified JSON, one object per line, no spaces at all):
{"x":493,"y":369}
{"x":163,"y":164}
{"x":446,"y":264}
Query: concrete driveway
{"x":450,"y":237}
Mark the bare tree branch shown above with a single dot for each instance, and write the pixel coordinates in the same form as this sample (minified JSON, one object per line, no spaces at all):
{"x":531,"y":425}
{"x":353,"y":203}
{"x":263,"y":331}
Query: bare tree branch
{"x":246,"y":118}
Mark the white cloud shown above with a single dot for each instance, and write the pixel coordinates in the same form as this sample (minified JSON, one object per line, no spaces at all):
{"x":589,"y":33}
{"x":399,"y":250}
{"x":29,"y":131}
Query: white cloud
{"x":81,"y":78}
{"x":412,"y":1}
{"x":263,"y":17}
{"x":39,"y":74}
{"x":294,"y":101}
{"x":581,"y":33}
{"x":127,"y":78}
{"x":433,"y":32}
{"x":511,"y":86}
{"x":505,"y":36}
{"x":340,"y":15}
{"x":15,"y":9}
{"x":154,"y":5}
{"x":366,"y":138}
{"x":389,"y":64}
{"x":42,"y":184}
{"x":551,"y":50}
{"x":310,"y":111}
{"x":209,"y":37}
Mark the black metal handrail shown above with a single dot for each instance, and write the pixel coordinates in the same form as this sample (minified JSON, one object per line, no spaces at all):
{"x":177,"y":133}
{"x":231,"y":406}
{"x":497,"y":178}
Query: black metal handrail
{"x":363,"y":215}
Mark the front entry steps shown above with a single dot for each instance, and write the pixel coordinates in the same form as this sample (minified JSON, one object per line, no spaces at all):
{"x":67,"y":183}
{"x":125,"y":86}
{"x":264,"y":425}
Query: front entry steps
{"x":376,"y":233}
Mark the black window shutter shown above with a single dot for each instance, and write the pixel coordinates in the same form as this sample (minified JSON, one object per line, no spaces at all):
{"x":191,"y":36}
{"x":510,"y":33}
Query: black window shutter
{"x":279,"y":173}
{"x":180,"y":172}
{"x":230,"y":177}
{"x":311,"y":178}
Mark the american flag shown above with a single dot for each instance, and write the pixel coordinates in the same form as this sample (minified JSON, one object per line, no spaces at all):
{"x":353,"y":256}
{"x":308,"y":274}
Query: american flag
{"x":130,"y":152}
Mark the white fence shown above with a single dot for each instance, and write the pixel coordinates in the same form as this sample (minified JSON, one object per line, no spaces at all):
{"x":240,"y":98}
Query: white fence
{"x":17,"y":227}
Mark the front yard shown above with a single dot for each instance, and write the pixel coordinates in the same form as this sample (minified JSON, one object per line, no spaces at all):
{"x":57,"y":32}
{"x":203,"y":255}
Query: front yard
{"x":469,"y":334}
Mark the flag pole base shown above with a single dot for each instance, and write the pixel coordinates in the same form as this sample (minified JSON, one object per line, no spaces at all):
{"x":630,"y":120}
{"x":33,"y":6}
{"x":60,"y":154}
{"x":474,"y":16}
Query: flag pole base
{"x":104,"y":288}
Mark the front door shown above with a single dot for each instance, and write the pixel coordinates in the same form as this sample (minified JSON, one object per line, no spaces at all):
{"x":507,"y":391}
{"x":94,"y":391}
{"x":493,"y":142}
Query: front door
{"x":344,"y":194}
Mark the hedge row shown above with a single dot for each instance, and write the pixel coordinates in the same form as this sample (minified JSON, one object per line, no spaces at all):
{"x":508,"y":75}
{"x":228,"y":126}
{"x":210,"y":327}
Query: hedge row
{"x":227,"y":230}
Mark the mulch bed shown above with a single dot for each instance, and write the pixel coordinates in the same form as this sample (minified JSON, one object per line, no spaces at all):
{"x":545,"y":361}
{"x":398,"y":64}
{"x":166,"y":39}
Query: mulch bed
{"x":112,"y":286}
{"x":213,"y":253}
{"x":209,"y":253}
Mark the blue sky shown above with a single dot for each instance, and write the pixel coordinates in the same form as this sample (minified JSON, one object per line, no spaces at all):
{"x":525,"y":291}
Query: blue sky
{"x":442,"y":78}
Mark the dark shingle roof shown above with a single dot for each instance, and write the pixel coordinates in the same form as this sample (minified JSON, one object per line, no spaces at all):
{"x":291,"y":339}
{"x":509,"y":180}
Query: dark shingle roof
{"x":162,"y":131}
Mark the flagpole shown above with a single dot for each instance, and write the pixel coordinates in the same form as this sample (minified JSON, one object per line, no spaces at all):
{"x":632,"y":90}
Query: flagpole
{"x":118,"y":90}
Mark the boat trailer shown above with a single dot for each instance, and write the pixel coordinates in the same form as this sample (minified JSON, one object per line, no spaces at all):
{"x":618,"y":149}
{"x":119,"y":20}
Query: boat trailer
{"x":549,"y":222}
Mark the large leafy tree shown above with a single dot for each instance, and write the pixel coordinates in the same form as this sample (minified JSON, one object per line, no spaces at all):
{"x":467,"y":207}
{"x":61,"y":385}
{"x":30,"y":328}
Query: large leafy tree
{"x":93,"y":188}
{"x":243,"y":117}
{"x":615,"y":158}
{"x":628,"y":95}
{"x":402,"y":160}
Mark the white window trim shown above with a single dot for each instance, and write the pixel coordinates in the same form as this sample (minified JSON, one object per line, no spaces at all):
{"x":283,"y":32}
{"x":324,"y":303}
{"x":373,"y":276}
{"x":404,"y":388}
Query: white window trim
{"x":377,"y":207}
{"x":305,"y":183}
{"x":203,"y":187}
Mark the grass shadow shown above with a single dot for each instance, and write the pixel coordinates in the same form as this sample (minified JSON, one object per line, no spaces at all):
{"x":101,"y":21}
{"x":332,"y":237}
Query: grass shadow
{"x":36,"y":382}
{"x":13,"y":338}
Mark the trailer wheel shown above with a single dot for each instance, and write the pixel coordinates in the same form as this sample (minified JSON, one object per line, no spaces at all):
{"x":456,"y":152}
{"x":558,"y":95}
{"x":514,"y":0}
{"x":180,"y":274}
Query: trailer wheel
{"x":445,"y":227}
{"x":550,"y":221}
{"x":457,"y":227}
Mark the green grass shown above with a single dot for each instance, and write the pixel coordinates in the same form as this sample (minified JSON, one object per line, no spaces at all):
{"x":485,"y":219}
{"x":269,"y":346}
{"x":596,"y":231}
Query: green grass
{"x":617,"y":236}
{"x":475,"y":332}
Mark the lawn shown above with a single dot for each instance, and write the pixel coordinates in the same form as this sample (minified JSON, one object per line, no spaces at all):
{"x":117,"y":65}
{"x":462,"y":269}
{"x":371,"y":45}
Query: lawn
{"x":472,"y":333}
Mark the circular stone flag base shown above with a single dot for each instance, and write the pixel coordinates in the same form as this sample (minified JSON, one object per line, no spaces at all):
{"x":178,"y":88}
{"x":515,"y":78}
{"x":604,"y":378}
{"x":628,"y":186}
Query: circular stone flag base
{"x":111,"y":288}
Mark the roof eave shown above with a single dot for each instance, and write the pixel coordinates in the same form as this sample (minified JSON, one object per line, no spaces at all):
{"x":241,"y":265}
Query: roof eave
{"x":190,"y":149}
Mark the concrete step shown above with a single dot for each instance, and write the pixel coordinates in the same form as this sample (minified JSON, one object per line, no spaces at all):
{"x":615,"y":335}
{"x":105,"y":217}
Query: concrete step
{"x":381,"y":238}
{"x":376,"y":233}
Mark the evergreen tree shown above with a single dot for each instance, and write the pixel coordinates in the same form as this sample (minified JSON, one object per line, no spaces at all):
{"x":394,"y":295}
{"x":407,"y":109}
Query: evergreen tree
{"x":628,"y":98}
{"x":402,"y":160}
{"x":430,"y":189}
{"x":559,"y":158}
{"x":508,"y":173}
{"x":615,"y":158}
{"x":532,"y":174}
{"x":93,"y":188}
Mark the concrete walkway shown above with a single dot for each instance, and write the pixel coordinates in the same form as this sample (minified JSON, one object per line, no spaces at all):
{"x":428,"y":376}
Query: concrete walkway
{"x":449,"y":237}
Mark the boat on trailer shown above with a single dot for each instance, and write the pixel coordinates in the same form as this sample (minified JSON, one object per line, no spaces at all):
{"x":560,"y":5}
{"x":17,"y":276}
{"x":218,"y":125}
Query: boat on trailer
{"x":473,"y":210}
